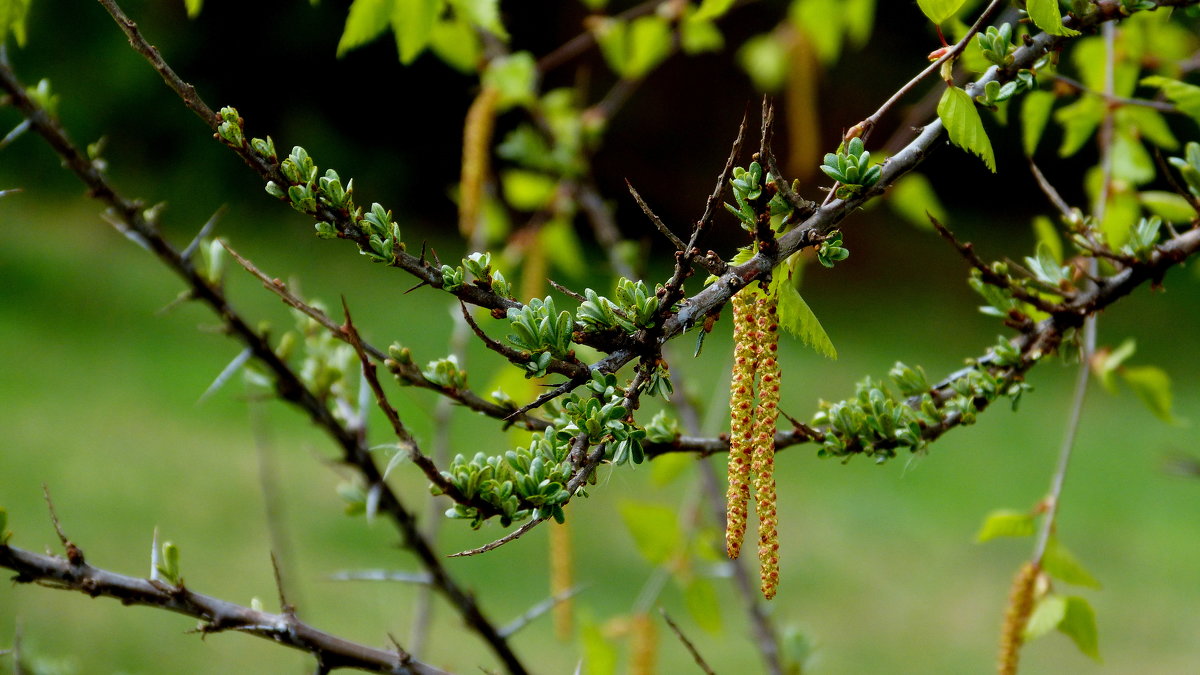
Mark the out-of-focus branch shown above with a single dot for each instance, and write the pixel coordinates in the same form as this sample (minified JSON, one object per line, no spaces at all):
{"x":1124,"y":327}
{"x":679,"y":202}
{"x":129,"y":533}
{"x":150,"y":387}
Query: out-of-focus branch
{"x":217,"y":615}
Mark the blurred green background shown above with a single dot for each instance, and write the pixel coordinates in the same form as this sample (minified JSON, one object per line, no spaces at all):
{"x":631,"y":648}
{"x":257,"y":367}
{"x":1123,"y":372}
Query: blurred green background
{"x":99,"y":394}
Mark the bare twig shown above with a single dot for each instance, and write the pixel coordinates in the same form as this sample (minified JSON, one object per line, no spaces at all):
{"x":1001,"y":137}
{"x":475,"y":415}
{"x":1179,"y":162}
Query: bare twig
{"x":539,"y":609}
{"x":218,"y":615}
{"x":658,"y":223}
{"x":687,"y":643}
{"x":1051,"y":194}
{"x":1161,"y":106}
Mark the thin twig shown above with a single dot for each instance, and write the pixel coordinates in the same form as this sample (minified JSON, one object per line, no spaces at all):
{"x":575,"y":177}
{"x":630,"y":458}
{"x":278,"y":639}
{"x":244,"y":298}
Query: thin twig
{"x":539,"y":609}
{"x":658,"y":223}
{"x":1161,"y":106}
{"x":1052,"y":194}
{"x":217,"y":615}
{"x":687,"y":643}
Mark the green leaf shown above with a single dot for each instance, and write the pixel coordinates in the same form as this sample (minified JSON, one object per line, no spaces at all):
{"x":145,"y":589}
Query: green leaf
{"x":655,"y":530}
{"x":765,"y":59}
{"x":821,"y":22}
{"x":796,"y":316}
{"x":1130,"y":160}
{"x":649,"y":43}
{"x":1045,"y":15}
{"x":1047,"y":234}
{"x":697,"y":37}
{"x":702,"y":604}
{"x":1079,"y":624}
{"x":515,"y":75}
{"x":193,"y":7}
{"x":527,"y":190}
{"x":1167,"y":205}
{"x":1111,"y":362}
{"x":366,"y":21}
{"x":1146,"y":123}
{"x":1185,"y":96}
{"x":912,"y":196}
{"x":1079,"y":120}
{"x":1046,"y":616}
{"x":664,"y":472}
{"x":561,"y":243}
{"x":13,"y":14}
{"x":484,"y":14}
{"x":1061,"y":564}
{"x":599,"y":654}
{"x":1035,"y":112}
{"x":965,"y":128}
{"x":1005,"y":523}
{"x":711,"y":9}
{"x":859,"y":18}
{"x":939,"y":10}
{"x":412,"y":23}
{"x":457,"y":44}
{"x":1153,"y":386}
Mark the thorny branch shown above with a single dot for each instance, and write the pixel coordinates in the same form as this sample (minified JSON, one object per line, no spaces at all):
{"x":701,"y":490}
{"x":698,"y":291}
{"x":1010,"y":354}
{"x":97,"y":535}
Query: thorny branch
{"x":130,"y":218}
{"x":216,"y":615}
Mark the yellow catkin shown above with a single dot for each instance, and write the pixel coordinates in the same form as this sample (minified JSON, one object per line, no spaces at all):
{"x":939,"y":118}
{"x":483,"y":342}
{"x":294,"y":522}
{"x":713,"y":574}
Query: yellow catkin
{"x":762,"y":463}
{"x":643,"y":645}
{"x":1020,"y":606}
{"x":560,"y":578}
{"x":741,"y":416}
{"x":477,"y":142}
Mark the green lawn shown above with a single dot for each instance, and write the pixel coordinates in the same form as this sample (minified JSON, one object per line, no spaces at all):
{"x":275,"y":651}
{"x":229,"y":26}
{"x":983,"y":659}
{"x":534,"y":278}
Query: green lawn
{"x":99,"y":403}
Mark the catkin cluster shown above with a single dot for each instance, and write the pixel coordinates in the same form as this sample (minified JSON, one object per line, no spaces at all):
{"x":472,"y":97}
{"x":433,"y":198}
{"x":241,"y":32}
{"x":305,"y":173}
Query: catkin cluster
{"x":752,"y":431}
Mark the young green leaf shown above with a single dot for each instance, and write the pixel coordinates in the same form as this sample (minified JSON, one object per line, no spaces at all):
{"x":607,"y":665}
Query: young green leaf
{"x":1005,"y":523}
{"x":912,"y":197}
{"x":599,"y":653}
{"x":940,"y":10}
{"x":1047,"y":235}
{"x":193,"y":7}
{"x":484,"y":14}
{"x":1153,"y":386}
{"x":1105,"y":364}
{"x":1185,"y":96}
{"x":821,"y":21}
{"x":412,"y":24}
{"x":796,"y":316}
{"x":1061,"y":564}
{"x":1045,"y":15}
{"x":1167,"y":205}
{"x":13,"y":14}
{"x":702,"y":604}
{"x":1079,"y":624}
{"x":366,"y":21}
{"x":965,"y":128}
{"x":1046,"y":616}
{"x":711,"y":9}
{"x":1035,"y":112}
{"x":655,"y":530}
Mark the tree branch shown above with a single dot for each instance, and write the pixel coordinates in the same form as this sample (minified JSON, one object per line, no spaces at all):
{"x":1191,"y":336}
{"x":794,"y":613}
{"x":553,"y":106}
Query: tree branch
{"x":217,"y":615}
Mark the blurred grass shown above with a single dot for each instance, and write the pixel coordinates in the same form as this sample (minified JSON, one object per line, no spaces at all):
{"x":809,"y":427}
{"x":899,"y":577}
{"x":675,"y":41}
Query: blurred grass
{"x":879,"y":568}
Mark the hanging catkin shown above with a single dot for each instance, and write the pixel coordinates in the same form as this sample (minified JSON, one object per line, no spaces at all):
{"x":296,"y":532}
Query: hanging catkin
{"x":1020,"y":606}
{"x":762,"y":464}
{"x":741,"y":424}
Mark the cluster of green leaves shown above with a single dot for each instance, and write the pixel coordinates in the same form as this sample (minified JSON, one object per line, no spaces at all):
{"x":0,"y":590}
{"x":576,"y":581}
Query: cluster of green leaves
{"x":531,"y":480}
{"x":830,"y":251}
{"x":851,"y":166}
{"x":542,"y":332}
{"x":635,"y":308}
{"x":1071,"y":615}
{"x":527,"y":480}
{"x":479,"y":266}
{"x":747,"y":186}
{"x":1189,"y":167}
{"x":876,"y":422}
